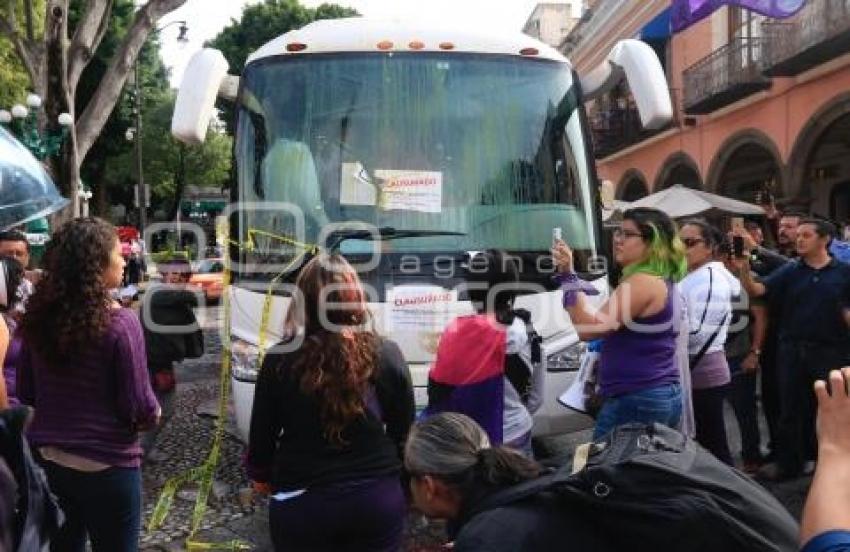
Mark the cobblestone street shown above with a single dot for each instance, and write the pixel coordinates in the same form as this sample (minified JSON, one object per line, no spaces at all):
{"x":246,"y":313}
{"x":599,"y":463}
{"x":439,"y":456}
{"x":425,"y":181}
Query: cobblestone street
{"x":184,"y":443}
{"x":233,"y":514}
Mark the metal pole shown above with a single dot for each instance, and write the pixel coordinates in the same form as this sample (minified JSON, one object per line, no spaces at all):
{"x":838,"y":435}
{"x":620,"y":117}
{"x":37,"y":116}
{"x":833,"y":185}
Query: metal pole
{"x":142,"y":192}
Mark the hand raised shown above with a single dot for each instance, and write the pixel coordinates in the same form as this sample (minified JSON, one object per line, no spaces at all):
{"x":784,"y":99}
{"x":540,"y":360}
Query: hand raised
{"x":562,"y":255}
{"x":749,"y":242}
{"x":833,"y":424}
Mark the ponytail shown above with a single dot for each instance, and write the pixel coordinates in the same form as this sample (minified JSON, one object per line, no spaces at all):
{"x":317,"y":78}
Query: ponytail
{"x":453,"y":448}
{"x":502,"y":466}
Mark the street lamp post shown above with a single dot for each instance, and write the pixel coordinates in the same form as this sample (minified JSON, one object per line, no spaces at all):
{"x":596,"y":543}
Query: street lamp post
{"x":84,"y":195}
{"x":136,"y":132}
{"x":22,"y":120}
{"x":140,"y":175}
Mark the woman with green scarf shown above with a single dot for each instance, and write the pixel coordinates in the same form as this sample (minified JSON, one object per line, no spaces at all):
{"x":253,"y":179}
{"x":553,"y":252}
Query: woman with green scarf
{"x":639,"y":375}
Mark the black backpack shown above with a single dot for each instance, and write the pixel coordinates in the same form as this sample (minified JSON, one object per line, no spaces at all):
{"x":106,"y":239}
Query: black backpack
{"x":36,"y":511}
{"x":516,"y":369}
{"x":644,"y":487}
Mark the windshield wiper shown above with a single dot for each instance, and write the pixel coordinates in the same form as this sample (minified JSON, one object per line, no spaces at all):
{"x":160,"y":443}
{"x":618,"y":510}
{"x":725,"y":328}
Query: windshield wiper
{"x":384,"y":233}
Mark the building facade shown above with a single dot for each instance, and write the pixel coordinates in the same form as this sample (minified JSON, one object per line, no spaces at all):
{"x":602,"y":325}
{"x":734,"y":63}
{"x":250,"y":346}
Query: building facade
{"x":762,"y":107}
{"x":551,"y":22}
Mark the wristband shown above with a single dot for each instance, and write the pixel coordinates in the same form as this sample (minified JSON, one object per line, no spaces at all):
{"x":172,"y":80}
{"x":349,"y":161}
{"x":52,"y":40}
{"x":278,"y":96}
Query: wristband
{"x":571,"y":285}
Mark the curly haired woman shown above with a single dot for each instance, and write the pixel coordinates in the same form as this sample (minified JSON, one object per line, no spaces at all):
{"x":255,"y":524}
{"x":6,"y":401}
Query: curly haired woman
{"x":329,"y":421}
{"x":82,"y":367}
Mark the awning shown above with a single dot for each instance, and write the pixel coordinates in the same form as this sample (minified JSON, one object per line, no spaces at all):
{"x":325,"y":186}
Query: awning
{"x":658,"y":28}
{"x":679,"y":201}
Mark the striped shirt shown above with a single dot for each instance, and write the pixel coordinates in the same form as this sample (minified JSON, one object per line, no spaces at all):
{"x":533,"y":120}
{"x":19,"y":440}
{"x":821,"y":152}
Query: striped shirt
{"x":92,"y":404}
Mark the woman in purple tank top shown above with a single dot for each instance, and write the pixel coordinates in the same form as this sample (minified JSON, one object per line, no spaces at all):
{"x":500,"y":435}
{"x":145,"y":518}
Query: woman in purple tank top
{"x":638,"y":370}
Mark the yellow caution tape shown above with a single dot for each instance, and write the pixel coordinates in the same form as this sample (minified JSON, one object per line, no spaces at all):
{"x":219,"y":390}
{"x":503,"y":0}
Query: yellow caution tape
{"x":227,"y":545}
{"x":203,"y":474}
{"x":267,"y":307}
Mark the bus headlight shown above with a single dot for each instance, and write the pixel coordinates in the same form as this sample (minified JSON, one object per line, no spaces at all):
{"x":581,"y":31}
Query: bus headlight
{"x":244,"y":360}
{"x":565,"y":360}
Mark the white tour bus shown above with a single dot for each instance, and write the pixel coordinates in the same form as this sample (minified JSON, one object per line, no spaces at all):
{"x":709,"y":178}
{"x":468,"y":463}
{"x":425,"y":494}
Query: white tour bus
{"x":407,"y":148}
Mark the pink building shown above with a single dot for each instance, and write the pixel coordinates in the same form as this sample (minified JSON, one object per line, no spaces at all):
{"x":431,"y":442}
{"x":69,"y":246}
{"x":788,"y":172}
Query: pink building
{"x":762,"y":106}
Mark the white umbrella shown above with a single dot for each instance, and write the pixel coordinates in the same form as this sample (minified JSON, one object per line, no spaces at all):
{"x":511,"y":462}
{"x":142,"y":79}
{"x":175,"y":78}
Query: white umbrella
{"x":679,"y":201}
{"x":614,"y":212}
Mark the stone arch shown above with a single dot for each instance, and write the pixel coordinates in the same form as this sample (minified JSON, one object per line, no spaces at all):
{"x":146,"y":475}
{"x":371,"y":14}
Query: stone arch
{"x":754,"y":152}
{"x":808,"y":141}
{"x":632,"y":186}
{"x":678,"y":168}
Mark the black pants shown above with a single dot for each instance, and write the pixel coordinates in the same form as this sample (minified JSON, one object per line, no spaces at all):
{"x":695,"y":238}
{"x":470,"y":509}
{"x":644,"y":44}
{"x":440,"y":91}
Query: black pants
{"x":365,"y":515}
{"x":742,"y":397}
{"x":105,"y":505}
{"x":167,"y":401}
{"x":708,"y":416}
{"x":770,"y":388}
{"x":800,"y":364}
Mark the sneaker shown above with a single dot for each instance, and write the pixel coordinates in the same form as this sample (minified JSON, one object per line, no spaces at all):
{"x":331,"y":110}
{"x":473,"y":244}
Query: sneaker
{"x":773,"y":472}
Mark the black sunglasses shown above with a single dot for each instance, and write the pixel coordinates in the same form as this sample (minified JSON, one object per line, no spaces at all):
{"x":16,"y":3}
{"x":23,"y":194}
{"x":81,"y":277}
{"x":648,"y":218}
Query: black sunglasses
{"x":690,"y":242}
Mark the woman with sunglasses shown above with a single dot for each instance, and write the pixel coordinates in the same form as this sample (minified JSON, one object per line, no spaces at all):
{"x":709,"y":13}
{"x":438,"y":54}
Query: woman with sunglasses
{"x":708,"y":290}
{"x":639,"y":374}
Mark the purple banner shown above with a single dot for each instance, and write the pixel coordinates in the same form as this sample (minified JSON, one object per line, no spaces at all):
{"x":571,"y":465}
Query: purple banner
{"x":687,"y":12}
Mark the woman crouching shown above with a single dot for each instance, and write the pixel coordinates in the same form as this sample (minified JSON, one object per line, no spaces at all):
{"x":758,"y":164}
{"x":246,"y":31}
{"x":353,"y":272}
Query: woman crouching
{"x":454,"y":473}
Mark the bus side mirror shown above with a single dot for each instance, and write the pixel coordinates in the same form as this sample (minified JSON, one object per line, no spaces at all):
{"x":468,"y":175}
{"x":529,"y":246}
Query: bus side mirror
{"x":639,"y":64}
{"x":204,"y":75}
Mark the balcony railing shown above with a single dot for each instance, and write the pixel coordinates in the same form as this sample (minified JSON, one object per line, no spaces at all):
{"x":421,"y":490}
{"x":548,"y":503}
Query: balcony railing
{"x":615,"y":125}
{"x":818,"y":33}
{"x":725,"y":76}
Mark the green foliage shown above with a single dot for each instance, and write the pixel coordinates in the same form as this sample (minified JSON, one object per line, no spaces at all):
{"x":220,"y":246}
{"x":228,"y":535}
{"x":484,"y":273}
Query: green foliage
{"x":111,"y":162}
{"x":170,"y":253}
{"x":14,"y":80}
{"x":265,"y":21}
{"x":261,"y":23}
{"x":111,"y":153}
{"x":207,"y":165}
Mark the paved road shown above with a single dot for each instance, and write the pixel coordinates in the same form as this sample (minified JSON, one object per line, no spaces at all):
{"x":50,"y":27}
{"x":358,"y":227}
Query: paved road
{"x":231,"y":515}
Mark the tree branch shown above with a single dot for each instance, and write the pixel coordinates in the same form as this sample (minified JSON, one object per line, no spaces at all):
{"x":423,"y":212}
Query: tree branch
{"x":87,"y":37}
{"x":12,"y":16}
{"x":91,"y":121}
{"x":9,"y":27}
{"x":29,"y":19}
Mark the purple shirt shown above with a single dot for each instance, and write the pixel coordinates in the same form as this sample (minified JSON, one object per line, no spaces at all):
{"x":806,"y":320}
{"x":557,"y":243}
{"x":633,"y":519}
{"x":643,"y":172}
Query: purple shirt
{"x":641,"y":354}
{"x":10,"y":366}
{"x":712,"y":371}
{"x":93,"y":402}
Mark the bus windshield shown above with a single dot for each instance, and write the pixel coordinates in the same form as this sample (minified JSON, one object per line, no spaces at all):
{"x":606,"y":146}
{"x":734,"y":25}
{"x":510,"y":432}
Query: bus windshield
{"x":472,"y":151}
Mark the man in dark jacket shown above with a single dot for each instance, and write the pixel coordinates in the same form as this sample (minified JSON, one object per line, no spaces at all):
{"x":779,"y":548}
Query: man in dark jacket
{"x":763,"y":262}
{"x":171,"y":330}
